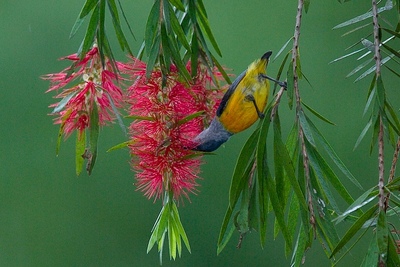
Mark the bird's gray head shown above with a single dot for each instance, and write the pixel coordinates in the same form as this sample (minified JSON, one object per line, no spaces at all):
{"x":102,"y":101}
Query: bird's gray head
{"x":211,"y":138}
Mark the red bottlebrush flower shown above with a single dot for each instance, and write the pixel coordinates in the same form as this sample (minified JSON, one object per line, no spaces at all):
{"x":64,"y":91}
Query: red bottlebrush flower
{"x":95,"y":85}
{"x":161,"y":136}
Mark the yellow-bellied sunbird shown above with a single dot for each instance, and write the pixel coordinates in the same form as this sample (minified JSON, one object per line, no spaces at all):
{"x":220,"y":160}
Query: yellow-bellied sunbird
{"x":240,"y":107}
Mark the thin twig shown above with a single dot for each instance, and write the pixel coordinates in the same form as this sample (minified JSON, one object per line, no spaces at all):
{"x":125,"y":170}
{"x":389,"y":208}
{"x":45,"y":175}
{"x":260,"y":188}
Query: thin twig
{"x":277,"y":101}
{"x":295,"y":52}
{"x":394,"y":161}
{"x":381,"y":182}
{"x":393,"y":170}
{"x":377,"y":57}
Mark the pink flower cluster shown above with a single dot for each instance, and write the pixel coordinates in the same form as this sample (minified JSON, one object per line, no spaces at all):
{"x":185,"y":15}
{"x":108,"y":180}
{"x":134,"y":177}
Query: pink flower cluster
{"x":167,"y":116}
{"x":161,"y":135}
{"x":85,"y":85}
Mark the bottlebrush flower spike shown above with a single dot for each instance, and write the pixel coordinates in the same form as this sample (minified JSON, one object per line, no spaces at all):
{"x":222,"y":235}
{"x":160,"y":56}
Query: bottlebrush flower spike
{"x":95,"y":85}
{"x":160,"y":134}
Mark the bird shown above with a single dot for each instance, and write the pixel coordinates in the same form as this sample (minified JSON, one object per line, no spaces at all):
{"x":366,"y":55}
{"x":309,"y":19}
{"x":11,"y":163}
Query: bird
{"x":241,"y":106}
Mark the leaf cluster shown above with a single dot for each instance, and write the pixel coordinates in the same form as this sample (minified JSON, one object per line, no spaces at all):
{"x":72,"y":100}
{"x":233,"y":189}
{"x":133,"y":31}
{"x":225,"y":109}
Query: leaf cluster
{"x":178,"y":31}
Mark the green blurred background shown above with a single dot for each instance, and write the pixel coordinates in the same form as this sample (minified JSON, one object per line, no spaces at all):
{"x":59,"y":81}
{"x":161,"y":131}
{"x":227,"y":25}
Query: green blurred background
{"x":51,"y":217}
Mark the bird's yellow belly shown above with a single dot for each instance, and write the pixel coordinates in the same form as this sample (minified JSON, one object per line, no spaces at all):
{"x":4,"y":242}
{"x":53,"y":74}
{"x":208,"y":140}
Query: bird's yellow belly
{"x":240,"y":113}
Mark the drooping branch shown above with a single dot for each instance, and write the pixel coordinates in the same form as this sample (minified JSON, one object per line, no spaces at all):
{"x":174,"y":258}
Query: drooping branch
{"x":295,"y":56}
{"x":377,"y":56}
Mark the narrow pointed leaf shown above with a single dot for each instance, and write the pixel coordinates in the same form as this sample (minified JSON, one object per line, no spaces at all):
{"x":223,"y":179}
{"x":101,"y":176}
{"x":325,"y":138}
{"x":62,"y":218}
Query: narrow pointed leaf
{"x":122,"y":145}
{"x":382,"y":234}
{"x":93,"y":139}
{"x":151,"y":27}
{"x":283,"y":48}
{"x":363,"y":132}
{"x":306,"y":127}
{"x":364,"y":16}
{"x":90,"y":32}
{"x":117,"y":26}
{"x":177,"y":28}
{"x":80,"y":151}
{"x":354,"y":230}
{"x":242,"y":163}
{"x":347,"y":55}
{"x":360,"y":202}
{"x":317,"y":114}
{"x":332,"y":154}
{"x":371,"y":258}
{"x":204,"y":24}
{"x":278,"y":211}
{"x":63,"y":102}
{"x":300,"y":248}
{"x":222,"y":238}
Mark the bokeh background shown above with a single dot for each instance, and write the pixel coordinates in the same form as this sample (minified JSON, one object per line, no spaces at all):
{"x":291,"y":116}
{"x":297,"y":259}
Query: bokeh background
{"x":51,"y":217}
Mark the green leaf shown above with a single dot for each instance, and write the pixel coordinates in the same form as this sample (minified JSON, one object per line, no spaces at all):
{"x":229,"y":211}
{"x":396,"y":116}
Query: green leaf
{"x":152,"y":30}
{"x":397,"y":34}
{"x":363,"y":132}
{"x":283,"y":48}
{"x":242,"y":217}
{"x":62,"y":128}
{"x":159,"y":227}
{"x":122,"y":145}
{"x":347,"y":55}
{"x":371,"y":258}
{"x":179,"y":226}
{"x":87,"y":7}
{"x":176,"y":57}
{"x":369,"y":100}
{"x":323,"y":171}
{"x":90,"y":32}
{"x":194,"y":56}
{"x":221,"y":70}
{"x":178,"y":4}
{"x":80,"y":151}
{"x":204,"y":24}
{"x":388,"y":6}
{"x":393,"y":259}
{"x":382,"y":234}
{"x":306,"y":127}
{"x":375,"y":133}
{"x":278,"y":76}
{"x":153,"y":55}
{"x":306,"y":5}
{"x":391,"y":50}
{"x":332,"y":154}
{"x":357,"y":205}
{"x":126,"y":19}
{"x":117,"y":26}
{"x":262,"y":177}
{"x":373,"y":68}
{"x":278,"y":210}
{"x":178,"y":29}
{"x":63,"y":102}
{"x":199,"y":33}
{"x":354,"y":229}
{"x":93,"y":138}
{"x":290,"y":170}
{"x":359,"y":67}
{"x":221,"y":240}
{"x":299,"y":248}
{"x":325,"y":227}
{"x":242,"y":163}
{"x":393,"y":114}
{"x":290,"y":85}
{"x":293,"y":218}
{"x":317,"y":114}
{"x":380,"y":92}
{"x":189,"y":118}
